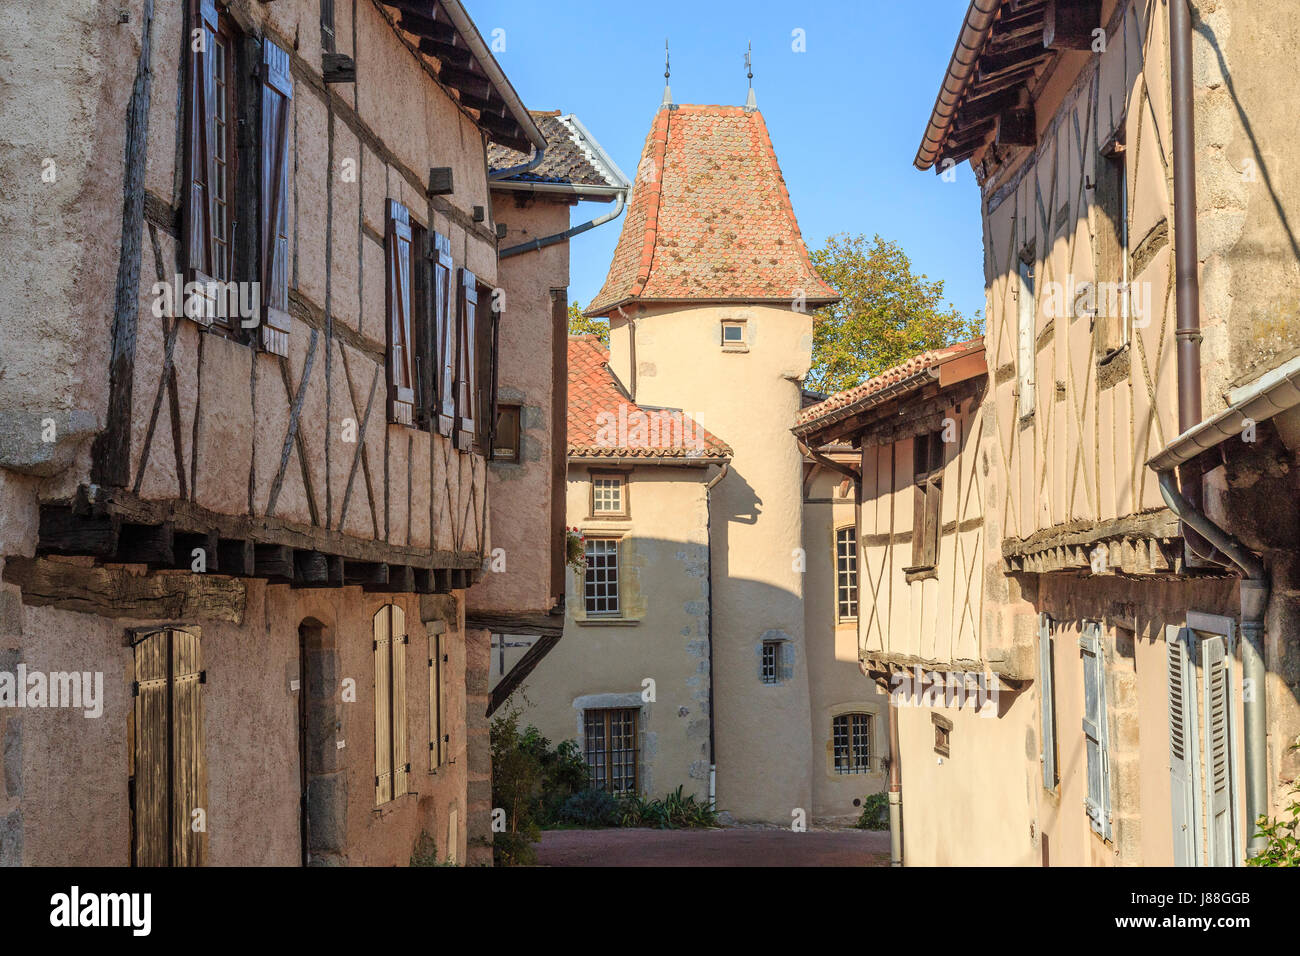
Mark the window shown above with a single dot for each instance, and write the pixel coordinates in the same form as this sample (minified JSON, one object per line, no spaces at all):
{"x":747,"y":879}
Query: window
{"x":401,"y":340}
{"x":327,"y":26}
{"x":733,"y":334}
{"x":610,"y":749}
{"x":942,"y":735}
{"x":846,"y":573}
{"x":211,"y":109}
{"x":443,"y":355}
{"x":1110,"y":250}
{"x":1047,"y":702}
{"x":1025,"y":311}
{"x":438,"y":736}
{"x":600,"y":583}
{"x":168,"y":779}
{"x":392,"y":762}
{"x":927,"y":513}
{"x":851,"y":743}
{"x":608,"y":495}
{"x":1096,"y":742}
{"x":485,"y":376}
{"x":506,"y":442}
{"x":770,"y":666}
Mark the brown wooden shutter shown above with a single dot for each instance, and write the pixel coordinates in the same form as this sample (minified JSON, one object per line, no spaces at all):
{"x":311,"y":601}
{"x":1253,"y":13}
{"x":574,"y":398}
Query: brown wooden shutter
{"x":927,"y":508}
{"x":466,"y":365}
{"x":189,"y":783}
{"x":435,"y":701}
{"x":444,"y":323}
{"x":401,"y":753}
{"x":277,"y":94}
{"x":401,"y":374}
{"x":920,"y":460}
{"x":168,"y":772}
{"x":488,"y":339}
{"x":423,"y":324}
{"x":934,"y":500}
{"x":151,"y":836}
{"x":200,"y":150}
{"x":383,"y":707}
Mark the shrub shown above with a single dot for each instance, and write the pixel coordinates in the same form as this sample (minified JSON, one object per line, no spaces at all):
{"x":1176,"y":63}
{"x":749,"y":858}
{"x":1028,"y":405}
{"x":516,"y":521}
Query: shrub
{"x":590,"y":808}
{"x":675,"y":811}
{"x":1283,"y":836}
{"x":875,"y":812}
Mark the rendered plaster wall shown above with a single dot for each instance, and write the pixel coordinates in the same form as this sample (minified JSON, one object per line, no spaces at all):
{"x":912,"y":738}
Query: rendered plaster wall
{"x":519,"y":494}
{"x":837,"y":682}
{"x":66,"y":774}
{"x":661,"y":636}
{"x":748,"y":399}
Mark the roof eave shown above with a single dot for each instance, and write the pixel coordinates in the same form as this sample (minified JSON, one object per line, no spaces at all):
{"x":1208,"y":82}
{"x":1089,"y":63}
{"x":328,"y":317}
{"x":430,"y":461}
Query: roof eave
{"x":595,"y":312}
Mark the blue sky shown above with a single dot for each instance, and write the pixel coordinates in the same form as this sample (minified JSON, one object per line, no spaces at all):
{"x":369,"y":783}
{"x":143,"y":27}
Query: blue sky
{"x":845,"y":117}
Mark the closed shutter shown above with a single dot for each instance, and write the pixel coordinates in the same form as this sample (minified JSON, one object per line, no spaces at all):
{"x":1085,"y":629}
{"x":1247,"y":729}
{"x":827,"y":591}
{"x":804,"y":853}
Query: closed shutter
{"x":1047,"y":701}
{"x":1183,"y":757}
{"x":168,"y":772}
{"x":1220,"y":826}
{"x":401,"y":374}
{"x":383,"y":707}
{"x":189,"y":784}
{"x":489,"y":340}
{"x":401,"y":755}
{"x":437,"y":751}
{"x":466,"y":367}
{"x":200,"y":152}
{"x":444,"y":333}
{"x":1096,"y":745}
{"x":151,"y":779}
{"x":277,"y":94}
{"x":927,"y":515}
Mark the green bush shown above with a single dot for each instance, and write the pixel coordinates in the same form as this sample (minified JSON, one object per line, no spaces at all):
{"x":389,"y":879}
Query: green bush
{"x":675,"y":811}
{"x":875,"y":812}
{"x":590,"y":808}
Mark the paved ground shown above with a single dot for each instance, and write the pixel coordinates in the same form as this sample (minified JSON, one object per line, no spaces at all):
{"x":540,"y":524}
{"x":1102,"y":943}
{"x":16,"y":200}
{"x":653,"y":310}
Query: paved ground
{"x":733,"y":846}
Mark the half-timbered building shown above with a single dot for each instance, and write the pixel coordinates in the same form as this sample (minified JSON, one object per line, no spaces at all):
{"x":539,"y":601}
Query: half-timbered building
{"x":243,"y":470}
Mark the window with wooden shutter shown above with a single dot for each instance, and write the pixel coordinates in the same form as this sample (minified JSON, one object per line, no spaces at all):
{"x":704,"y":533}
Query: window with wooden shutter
{"x":927,"y":514}
{"x":1047,"y":701}
{"x":422,"y":325}
{"x":1096,"y":742}
{"x":277,"y":94}
{"x":1216,"y":710}
{"x":444,"y":328}
{"x":401,"y":358}
{"x":168,"y":775}
{"x":327,"y":35}
{"x":1026,"y":327}
{"x":438,"y":737}
{"x":488,"y":334}
{"x":1110,"y":248}
{"x":209,"y":157}
{"x":466,"y":360}
{"x":1184,"y":756}
{"x":392,"y":760}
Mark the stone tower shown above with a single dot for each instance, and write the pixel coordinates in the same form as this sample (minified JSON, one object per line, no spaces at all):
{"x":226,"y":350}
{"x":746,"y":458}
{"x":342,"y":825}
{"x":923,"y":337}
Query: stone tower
{"x":709,"y":298}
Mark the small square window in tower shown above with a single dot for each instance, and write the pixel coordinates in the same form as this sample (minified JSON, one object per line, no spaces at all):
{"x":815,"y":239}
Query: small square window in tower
{"x":770,"y":666}
{"x":733,"y":335}
{"x":608,"y":496}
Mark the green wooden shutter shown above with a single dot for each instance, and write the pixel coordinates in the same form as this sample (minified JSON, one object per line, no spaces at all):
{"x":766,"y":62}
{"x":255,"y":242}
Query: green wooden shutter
{"x":444,"y":320}
{"x":401,"y":755}
{"x":1220,"y":817}
{"x":1047,"y":701}
{"x":1097,"y":802}
{"x":466,"y":364}
{"x":383,"y":707}
{"x":401,"y":375}
{"x":277,"y":93}
{"x":1184,"y":760}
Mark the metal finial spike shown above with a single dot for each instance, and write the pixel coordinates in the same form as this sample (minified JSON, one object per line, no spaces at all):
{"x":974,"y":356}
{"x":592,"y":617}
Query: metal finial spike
{"x":668,"y":92}
{"x":751,"y":103}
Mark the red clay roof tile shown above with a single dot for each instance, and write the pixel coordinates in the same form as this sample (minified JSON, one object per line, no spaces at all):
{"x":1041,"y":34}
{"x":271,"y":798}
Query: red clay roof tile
{"x":710,"y":218}
{"x":605,"y":424}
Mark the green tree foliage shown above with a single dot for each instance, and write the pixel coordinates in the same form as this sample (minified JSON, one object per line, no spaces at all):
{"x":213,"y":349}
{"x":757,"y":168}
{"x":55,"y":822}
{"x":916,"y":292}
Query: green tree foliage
{"x":579,"y":324}
{"x":888,"y":314}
